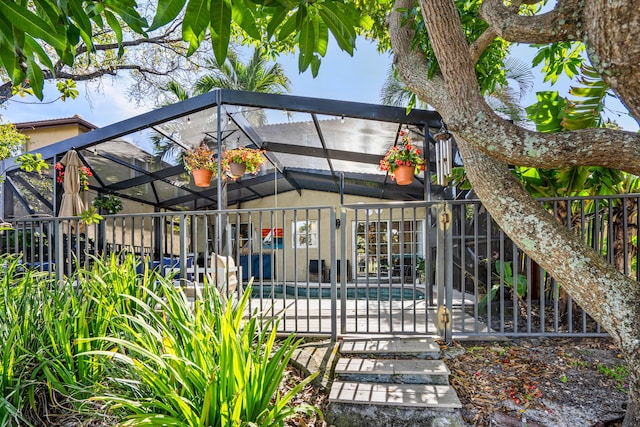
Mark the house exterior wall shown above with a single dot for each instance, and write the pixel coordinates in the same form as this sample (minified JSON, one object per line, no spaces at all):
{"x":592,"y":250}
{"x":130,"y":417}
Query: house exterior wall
{"x":291,"y":259}
{"x":42,"y":137}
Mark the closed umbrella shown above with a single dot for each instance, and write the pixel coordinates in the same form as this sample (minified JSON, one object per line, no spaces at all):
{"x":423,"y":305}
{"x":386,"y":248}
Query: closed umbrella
{"x":71,"y":204}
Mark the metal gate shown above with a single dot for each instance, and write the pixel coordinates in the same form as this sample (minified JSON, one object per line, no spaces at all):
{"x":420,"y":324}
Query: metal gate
{"x":445,"y":268}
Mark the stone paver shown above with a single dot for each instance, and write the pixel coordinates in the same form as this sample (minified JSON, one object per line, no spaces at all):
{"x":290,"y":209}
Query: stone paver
{"x":416,"y":347}
{"x":407,"y":395}
{"x":396,"y":370}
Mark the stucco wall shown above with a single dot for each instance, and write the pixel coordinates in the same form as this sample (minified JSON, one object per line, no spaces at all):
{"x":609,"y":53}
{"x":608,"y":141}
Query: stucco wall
{"x":42,"y":137}
{"x":292,"y":261}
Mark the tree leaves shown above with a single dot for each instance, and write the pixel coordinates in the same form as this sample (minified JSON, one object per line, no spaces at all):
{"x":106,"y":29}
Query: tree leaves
{"x":220,"y":28}
{"x":560,"y":58}
{"x":60,"y":25}
{"x":553,"y":113}
{"x":22,"y":17}
{"x":244,"y":18}
{"x":546,"y":113}
{"x":166,"y":12}
{"x":344,"y":34}
{"x":196,"y":20}
{"x":63,"y":25}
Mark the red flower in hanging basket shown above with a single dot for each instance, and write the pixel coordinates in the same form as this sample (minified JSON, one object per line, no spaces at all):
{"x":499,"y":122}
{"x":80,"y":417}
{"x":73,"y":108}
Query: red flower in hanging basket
{"x":403,"y":155}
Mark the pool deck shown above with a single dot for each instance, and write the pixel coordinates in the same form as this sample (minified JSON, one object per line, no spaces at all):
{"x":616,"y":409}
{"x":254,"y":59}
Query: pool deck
{"x":376,"y":316}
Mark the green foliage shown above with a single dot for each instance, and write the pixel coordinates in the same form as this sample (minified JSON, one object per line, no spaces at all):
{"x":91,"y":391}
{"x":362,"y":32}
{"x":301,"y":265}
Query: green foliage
{"x":67,"y":88}
{"x":560,"y":58}
{"x":489,"y":67}
{"x":278,"y":25}
{"x":553,"y":113}
{"x":275,"y":25}
{"x":547,"y":112}
{"x":619,"y":374}
{"x":204,"y":365}
{"x":41,"y":325}
{"x":10,"y":140}
{"x":60,"y":25}
{"x":256,"y":75}
{"x":110,"y":203}
{"x":108,"y":331}
{"x":505,"y":273}
{"x":91,"y":216}
{"x":32,"y":162}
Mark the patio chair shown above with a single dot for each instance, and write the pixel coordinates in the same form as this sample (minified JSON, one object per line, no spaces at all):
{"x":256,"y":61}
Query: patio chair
{"x":223,"y":272}
{"x":318,"y":270}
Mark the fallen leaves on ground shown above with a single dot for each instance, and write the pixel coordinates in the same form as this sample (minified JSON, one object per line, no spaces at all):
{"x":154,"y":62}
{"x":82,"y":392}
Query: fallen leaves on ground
{"x":529,"y":379}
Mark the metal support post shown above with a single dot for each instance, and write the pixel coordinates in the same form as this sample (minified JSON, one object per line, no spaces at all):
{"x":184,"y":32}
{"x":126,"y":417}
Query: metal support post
{"x":333,"y":275}
{"x":444,"y":271}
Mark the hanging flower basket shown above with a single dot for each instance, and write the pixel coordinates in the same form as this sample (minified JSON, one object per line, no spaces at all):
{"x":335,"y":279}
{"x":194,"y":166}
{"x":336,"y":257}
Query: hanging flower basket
{"x":202,"y":164}
{"x":403,"y":161}
{"x":202,"y":177}
{"x":237,"y":169}
{"x":404,"y":174}
{"x":252,"y":159}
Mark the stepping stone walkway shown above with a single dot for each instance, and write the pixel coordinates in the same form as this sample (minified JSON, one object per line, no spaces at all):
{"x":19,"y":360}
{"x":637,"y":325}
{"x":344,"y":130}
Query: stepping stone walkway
{"x":392,"y":382}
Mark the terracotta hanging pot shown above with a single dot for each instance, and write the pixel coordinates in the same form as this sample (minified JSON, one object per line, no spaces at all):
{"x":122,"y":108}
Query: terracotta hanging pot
{"x":237,"y":169}
{"x":202,"y":177}
{"x":404,"y":174}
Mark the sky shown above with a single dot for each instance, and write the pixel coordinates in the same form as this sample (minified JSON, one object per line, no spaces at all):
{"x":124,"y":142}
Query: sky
{"x":341,"y":77}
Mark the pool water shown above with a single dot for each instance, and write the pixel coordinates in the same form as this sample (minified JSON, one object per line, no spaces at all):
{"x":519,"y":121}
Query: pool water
{"x":360,"y":293}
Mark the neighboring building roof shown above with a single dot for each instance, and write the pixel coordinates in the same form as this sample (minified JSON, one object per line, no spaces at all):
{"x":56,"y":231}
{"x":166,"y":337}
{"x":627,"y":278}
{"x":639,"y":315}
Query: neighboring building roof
{"x":39,"y":124}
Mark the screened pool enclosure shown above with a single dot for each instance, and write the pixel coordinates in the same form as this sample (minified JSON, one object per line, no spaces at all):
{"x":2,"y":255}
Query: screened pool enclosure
{"x":325,"y":234}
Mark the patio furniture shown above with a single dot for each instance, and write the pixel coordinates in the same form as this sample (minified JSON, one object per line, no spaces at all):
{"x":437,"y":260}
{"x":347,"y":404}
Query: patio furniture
{"x":251,"y":266}
{"x":318,"y":270}
{"x":223,"y":272}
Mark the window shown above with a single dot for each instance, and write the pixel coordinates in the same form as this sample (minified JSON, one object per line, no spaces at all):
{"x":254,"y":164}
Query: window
{"x":387,"y":247}
{"x":305,"y":234}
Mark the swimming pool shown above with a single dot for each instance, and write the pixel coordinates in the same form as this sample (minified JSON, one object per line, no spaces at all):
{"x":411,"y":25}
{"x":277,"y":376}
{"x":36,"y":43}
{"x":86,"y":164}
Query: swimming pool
{"x":362,"y":292}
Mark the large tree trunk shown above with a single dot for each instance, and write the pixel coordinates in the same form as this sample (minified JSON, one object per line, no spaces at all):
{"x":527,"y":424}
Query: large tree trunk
{"x":607,"y":295}
{"x":488,"y":143}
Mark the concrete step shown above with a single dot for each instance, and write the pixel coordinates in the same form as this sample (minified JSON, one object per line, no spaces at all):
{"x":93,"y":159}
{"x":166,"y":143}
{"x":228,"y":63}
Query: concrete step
{"x":409,"y":395}
{"x":416,"y":347}
{"x":383,"y":405}
{"x":399,"y":371}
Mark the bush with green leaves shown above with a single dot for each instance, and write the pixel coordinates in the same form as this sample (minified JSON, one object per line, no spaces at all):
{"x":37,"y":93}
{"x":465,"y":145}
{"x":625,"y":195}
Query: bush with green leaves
{"x":45,"y":332}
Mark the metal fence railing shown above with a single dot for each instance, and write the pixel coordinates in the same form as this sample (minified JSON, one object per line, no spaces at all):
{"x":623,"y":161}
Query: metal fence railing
{"x":364,"y":268}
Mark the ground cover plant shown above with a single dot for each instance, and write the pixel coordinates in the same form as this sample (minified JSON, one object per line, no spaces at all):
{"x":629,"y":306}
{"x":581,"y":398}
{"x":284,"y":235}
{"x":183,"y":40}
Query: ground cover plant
{"x":112,"y":347}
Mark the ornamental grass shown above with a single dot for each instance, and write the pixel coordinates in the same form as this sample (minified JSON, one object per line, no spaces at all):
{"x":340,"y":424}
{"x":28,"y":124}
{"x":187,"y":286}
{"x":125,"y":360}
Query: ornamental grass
{"x":108,"y":346}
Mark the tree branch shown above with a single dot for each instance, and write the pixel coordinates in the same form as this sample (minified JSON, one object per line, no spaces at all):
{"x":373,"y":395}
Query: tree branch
{"x":561,"y":23}
{"x":513,"y":145}
{"x":158,"y":40}
{"x":409,"y":60}
{"x":477,"y":48}
{"x":111,"y":71}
